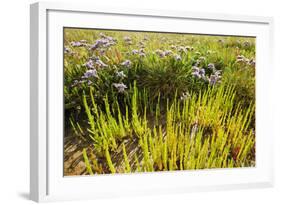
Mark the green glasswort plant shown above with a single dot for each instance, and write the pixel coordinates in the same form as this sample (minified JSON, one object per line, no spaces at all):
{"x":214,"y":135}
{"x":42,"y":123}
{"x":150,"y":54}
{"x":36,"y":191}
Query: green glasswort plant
{"x":200,"y":132}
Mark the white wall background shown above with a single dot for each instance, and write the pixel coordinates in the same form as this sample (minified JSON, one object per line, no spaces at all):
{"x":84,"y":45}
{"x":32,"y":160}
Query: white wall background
{"x":14,"y":101}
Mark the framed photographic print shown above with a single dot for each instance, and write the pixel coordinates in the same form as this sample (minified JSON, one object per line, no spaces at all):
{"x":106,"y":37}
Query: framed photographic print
{"x":128,"y":102}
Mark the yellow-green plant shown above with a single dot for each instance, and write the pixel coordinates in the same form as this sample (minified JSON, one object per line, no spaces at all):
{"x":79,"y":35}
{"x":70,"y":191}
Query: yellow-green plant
{"x":206,"y":131}
{"x":87,"y":163}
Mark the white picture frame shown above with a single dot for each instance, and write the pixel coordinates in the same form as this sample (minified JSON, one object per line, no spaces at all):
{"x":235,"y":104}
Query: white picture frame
{"x":46,"y":177}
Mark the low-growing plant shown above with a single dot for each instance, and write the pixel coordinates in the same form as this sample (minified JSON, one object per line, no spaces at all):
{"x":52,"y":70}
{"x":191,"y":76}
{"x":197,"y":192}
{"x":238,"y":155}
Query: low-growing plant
{"x":204,"y":131}
{"x":144,"y":102}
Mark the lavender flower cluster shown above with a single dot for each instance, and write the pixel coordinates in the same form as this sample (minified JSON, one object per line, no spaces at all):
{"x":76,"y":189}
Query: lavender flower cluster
{"x":162,"y":54}
{"x":244,"y":60}
{"x":120,"y":74}
{"x":103,"y":42}
{"x":198,"y":72}
{"x":212,"y":79}
{"x":185,"y":96}
{"x":95,"y":62}
{"x":200,"y":60}
{"x":140,"y":52}
{"x":246,"y":44}
{"x":88,"y":77}
{"x":80,"y":43}
{"x":126,"y":63}
{"x":182,"y":49}
{"x":67,"y":50}
{"x":128,"y":40}
{"x":176,"y":52}
{"x":167,"y":53}
{"x":120,"y":87}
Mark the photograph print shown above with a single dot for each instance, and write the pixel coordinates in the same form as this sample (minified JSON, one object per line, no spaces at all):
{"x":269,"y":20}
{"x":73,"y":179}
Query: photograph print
{"x":137,"y":101}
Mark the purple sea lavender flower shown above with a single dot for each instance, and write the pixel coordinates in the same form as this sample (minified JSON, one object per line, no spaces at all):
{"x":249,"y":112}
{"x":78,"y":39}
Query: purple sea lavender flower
{"x":95,"y":58}
{"x":213,"y":79}
{"x":197,"y":63}
{"x":160,"y":53}
{"x":185,"y":96}
{"x":96,"y":45}
{"x":111,"y":39}
{"x":141,"y":50}
{"x":195,"y":69}
{"x":182,"y":49}
{"x":202,"y":72}
{"x":67,"y":50}
{"x":240,"y":58}
{"x":100,"y":64}
{"x":127,"y":38}
{"x":90,"y":73}
{"x":211,"y":66}
{"x":108,"y":44}
{"x":167,"y":52}
{"x":120,"y":74}
{"x":252,"y":62}
{"x":76,"y":43}
{"x":102,"y":52}
{"x":75,"y":83}
{"x":83,"y":41}
{"x":126,"y":63}
{"x":102,"y":35}
{"x":202,"y":59}
{"x":120,"y":87}
{"x":246,"y":43}
{"x":177,"y":57}
{"x":89,"y":64}
{"x":103,"y":42}
{"x":217,"y":73}
{"x":134,"y":51}
{"x":82,"y":81}
{"x":142,"y":54}
{"x":196,"y":72}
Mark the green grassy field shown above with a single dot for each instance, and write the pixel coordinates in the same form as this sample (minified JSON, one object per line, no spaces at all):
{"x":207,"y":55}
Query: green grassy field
{"x":143,"y":101}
